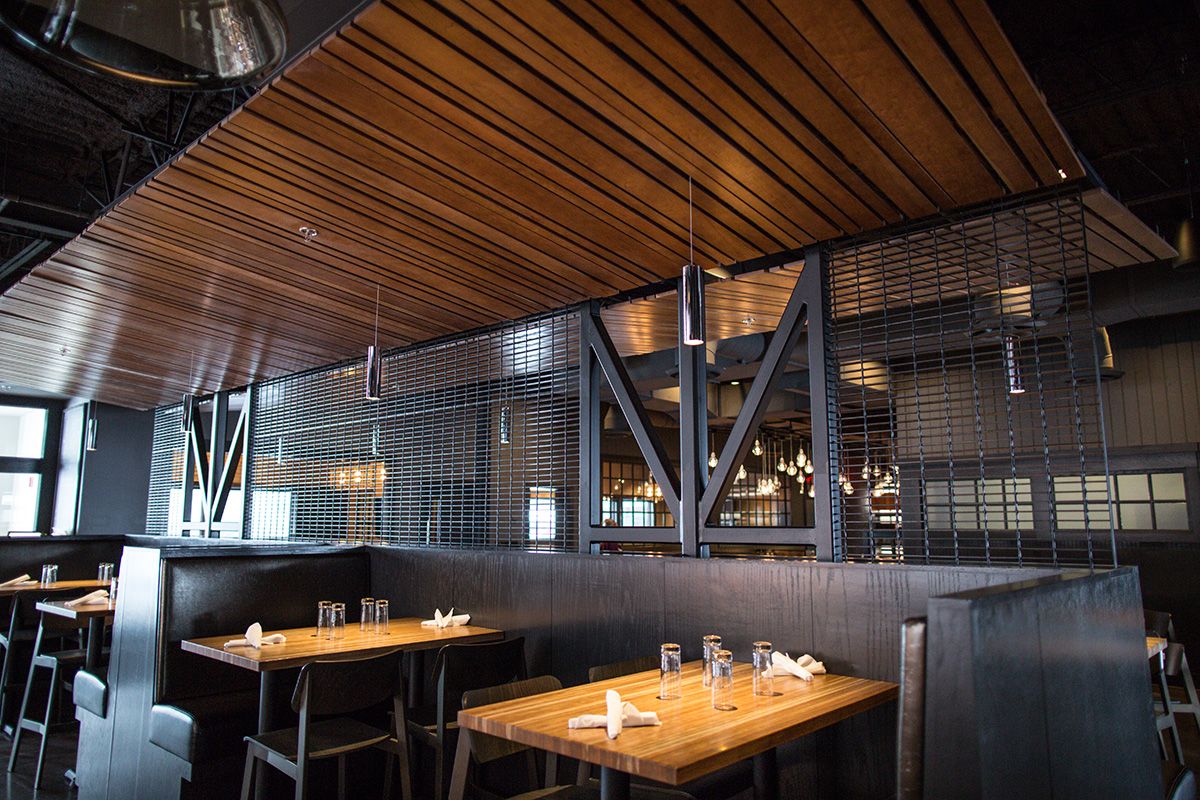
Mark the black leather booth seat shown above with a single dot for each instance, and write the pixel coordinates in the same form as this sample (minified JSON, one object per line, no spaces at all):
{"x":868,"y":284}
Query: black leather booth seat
{"x":1179,"y":781}
{"x":203,"y":708}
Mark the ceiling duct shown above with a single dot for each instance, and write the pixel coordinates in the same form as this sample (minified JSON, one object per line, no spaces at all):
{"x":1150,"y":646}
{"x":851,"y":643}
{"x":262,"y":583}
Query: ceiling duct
{"x":1016,"y":309}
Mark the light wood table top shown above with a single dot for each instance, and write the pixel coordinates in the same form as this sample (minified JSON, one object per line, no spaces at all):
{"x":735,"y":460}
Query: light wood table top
{"x":37,"y":586}
{"x":1155,"y":645}
{"x":302,"y":645}
{"x":61,"y":609}
{"x":694,"y":738}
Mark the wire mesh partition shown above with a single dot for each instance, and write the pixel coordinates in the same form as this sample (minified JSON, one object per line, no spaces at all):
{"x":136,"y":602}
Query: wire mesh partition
{"x":474,"y":443}
{"x":970,"y":425}
{"x":166,"y":470}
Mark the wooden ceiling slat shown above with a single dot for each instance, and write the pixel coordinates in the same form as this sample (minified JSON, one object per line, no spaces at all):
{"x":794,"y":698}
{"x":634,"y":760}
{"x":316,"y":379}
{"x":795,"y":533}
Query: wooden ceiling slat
{"x":677,"y":119}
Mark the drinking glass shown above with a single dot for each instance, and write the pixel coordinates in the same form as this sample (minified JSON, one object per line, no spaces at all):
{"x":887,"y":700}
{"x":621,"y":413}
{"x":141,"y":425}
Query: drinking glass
{"x":366,"y":621}
{"x":381,"y":617}
{"x":712,"y":644}
{"x":669,"y":684}
{"x":722,"y":681}
{"x":104,"y":573}
{"x":338,"y":629}
{"x":49,"y":573}
{"x":324,"y":619}
{"x":764,"y":676}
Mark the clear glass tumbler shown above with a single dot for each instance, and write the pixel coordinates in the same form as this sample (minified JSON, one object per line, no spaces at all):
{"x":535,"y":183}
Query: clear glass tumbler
{"x":338,"y":629}
{"x":712,"y":644}
{"x":104,"y":573}
{"x":324,"y":619}
{"x":381,"y":617}
{"x":669,"y":683}
{"x":722,"y":680}
{"x":366,"y":621}
{"x":49,"y":574}
{"x":764,"y":676}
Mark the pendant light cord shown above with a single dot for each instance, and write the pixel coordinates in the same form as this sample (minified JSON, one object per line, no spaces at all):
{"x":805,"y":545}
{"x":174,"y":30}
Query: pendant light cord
{"x":691,"y":249}
{"x":377,"y":317}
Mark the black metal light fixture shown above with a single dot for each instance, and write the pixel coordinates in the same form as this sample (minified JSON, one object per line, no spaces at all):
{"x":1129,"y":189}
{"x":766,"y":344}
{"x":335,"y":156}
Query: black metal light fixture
{"x":90,"y":425}
{"x":185,"y":417}
{"x":693,"y":289}
{"x":1012,"y":366}
{"x":374,"y":362}
{"x":185,"y":44}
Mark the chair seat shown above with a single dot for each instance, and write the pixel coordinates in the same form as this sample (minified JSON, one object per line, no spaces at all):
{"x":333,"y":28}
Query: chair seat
{"x":327,"y":738}
{"x":1178,"y":781}
{"x":65,"y":658}
{"x":561,"y":793}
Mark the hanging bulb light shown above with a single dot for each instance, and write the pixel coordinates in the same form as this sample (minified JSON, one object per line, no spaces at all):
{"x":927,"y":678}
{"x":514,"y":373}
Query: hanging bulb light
{"x":693,"y":289}
{"x":712,"y":459}
{"x":757,"y":450}
{"x":812,"y":491}
{"x":741,"y":472}
{"x":782,"y":465}
{"x":875,"y":472}
{"x":801,"y":459}
{"x":792,"y":469}
{"x":808,"y":468}
{"x":866,"y":471}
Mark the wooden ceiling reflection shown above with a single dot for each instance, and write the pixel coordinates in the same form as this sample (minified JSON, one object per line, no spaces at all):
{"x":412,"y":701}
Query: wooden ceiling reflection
{"x":479,"y":161}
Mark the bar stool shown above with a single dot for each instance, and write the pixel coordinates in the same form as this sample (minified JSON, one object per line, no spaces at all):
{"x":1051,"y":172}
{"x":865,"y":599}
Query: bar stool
{"x":62,"y":664}
{"x":15,"y":637}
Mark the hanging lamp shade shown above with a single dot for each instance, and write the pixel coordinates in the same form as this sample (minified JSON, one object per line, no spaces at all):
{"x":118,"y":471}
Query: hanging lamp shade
{"x":185,"y":44}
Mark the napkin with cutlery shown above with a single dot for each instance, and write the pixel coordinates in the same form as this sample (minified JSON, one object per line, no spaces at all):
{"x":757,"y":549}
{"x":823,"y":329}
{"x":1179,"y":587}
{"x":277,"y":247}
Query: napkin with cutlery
{"x":15,"y":581}
{"x":255,"y":639}
{"x":618,"y":716}
{"x":450,"y":620}
{"x":98,"y":597}
{"x":803,"y":667}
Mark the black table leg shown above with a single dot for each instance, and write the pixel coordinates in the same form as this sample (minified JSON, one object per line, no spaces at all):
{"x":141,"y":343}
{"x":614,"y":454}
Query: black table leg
{"x":766,"y":776}
{"x":614,"y":784}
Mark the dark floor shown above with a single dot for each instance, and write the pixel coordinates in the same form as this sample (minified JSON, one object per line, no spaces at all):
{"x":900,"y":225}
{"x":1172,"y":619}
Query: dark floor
{"x":60,"y":756}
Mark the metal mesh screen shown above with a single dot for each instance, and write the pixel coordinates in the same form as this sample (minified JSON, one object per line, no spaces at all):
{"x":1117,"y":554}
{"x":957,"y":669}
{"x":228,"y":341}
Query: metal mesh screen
{"x":166,"y":470}
{"x":969,"y":413}
{"x":475,"y":443}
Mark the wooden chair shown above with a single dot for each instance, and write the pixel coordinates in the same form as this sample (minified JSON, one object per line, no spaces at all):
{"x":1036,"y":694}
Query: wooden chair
{"x":334,"y":689}
{"x":461,"y":668}
{"x":62,"y":664}
{"x":910,"y":736}
{"x":630,"y":667}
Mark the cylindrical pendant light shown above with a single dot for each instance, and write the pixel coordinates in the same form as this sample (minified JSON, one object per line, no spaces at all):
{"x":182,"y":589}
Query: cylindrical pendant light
{"x":1012,"y":367}
{"x":186,"y":44}
{"x":374,"y":365}
{"x":185,"y":416}
{"x":90,"y":426}
{"x":693,"y":305}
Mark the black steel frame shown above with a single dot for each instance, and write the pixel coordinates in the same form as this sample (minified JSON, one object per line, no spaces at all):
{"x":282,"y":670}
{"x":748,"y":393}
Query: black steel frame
{"x":215,"y":471}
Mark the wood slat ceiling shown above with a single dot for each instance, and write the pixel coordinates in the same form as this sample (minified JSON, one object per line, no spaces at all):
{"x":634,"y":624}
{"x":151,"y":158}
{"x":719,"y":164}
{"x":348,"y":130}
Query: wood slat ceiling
{"x":480,"y":161}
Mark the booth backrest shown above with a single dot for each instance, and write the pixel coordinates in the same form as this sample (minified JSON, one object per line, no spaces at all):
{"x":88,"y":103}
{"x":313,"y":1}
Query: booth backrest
{"x":223,"y":595}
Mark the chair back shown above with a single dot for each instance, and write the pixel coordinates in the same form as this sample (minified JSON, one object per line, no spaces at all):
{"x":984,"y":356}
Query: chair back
{"x":1158,"y":623}
{"x":348,"y":685}
{"x":910,"y":738}
{"x":621,"y":668}
{"x":463,"y":667}
{"x":487,"y":748}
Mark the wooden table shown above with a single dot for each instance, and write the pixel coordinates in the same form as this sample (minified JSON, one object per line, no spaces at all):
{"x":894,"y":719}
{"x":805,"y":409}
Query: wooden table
{"x":95,"y":614}
{"x":58,"y":586}
{"x":303,"y":646}
{"x":1155,"y":645}
{"x":694,"y":739}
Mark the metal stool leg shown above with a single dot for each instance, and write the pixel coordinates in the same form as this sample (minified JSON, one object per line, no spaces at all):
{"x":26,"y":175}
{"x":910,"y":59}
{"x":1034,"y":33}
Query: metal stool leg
{"x":1166,"y":720}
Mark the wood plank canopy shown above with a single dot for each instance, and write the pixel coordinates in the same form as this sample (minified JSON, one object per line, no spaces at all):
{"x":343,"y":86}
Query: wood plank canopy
{"x":480,"y":161}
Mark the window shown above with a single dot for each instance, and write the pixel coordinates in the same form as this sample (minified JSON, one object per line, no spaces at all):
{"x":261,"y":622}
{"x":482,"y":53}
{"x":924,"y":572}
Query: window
{"x":987,"y":504}
{"x":22,"y":432}
{"x":543,"y":515}
{"x":1140,"y":502}
{"x":29,"y":443}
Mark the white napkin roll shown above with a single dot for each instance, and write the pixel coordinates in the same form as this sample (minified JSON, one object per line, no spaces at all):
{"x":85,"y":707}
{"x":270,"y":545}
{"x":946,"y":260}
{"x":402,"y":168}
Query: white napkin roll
{"x":613,"y":704}
{"x":450,"y":620}
{"x":100,"y":596}
{"x":15,"y":581}
{"x":781,"y":662}
{"x":811,"y":664}
{"x":255,"y":639}
{"x":630,"y":718}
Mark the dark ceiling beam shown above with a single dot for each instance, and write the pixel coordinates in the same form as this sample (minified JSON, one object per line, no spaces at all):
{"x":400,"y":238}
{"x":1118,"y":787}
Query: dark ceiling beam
{"x":46,"y":230}
{"x":6,"y":198}
{"x":17,"y":266}
{"x":1132,"y":90}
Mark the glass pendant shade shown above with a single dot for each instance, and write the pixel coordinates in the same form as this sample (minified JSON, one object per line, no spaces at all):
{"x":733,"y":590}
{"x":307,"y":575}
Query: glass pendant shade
{"x":185,"y":44}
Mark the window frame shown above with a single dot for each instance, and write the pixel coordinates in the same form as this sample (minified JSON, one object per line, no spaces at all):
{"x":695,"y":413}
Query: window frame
{"x":47,"y":466}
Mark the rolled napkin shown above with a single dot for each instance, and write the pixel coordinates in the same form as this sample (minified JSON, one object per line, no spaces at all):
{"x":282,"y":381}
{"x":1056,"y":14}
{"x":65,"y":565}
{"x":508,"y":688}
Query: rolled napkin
{"x":450,"y":620}
{"x":15,"y":581}
{"x":630,"y":718}
{"x":255,"y":639}
{"x":804,"y":667}
{"x":98,"y":597}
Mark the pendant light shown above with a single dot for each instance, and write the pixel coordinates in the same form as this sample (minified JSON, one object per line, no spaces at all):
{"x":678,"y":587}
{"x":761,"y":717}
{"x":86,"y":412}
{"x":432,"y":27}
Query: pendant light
{"x":757,"y":448}
{"x":189,"y":400}
{"x":1012,"y":367}
{"x":183,"y":44}
{"x":90,"y":425}
{"x":693,"y":289}
{"x":374,"y":362}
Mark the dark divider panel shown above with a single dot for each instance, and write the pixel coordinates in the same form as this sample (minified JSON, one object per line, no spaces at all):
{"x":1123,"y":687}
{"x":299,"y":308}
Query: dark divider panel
{"x":577,"y":611}
{"x":1042,"y":688}
{"x":76,"y":556}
